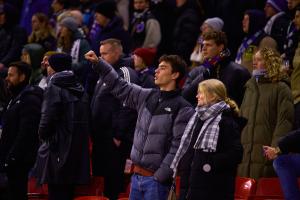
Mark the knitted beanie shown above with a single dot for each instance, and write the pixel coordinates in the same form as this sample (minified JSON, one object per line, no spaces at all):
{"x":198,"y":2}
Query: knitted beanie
{"x":60,"y":62}
{"x":147,"y":54}
{"x":70,"y":23}
{"x":215,"y":23}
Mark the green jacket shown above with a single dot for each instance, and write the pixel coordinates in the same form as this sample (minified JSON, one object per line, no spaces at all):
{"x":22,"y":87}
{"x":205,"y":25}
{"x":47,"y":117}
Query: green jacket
{"x":270,"y":113}
{"x":295,"y":76}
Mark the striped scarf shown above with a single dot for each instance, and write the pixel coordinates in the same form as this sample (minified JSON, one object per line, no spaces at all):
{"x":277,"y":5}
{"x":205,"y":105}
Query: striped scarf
{"x":208,"y":136}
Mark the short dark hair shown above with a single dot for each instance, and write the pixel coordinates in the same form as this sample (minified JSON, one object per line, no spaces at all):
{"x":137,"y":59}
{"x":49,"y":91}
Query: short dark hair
{"x":177,"y":64}
{"x":22,"y":68}
{"x":218,"y":36}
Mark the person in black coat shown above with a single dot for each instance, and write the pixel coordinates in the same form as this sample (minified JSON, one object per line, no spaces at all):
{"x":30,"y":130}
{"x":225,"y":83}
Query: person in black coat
{"x":210,"y":149}
{"x":63,"y":157}
{"x":19,"y":139}
{"x":217,"y":65}
{"x":112,"y":122}
{"x":287,"y":163}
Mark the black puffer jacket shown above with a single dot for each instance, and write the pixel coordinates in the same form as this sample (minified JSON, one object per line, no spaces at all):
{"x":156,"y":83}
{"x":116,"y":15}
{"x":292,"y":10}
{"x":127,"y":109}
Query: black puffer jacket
{"x":162,"y":117}
{"x":19,"y":140}
{"x":63,"y":156}
{"x":233,"y":75}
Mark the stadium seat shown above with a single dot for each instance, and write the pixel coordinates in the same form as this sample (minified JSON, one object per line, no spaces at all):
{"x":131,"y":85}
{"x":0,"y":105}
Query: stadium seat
{"x":244,"y":188}
{"x":268,"y":188}
{"x":91,"y":198}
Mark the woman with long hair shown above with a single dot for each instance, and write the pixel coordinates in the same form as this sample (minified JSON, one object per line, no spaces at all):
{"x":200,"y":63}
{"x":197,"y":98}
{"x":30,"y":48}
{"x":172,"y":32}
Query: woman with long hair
{"x":210,"y":148}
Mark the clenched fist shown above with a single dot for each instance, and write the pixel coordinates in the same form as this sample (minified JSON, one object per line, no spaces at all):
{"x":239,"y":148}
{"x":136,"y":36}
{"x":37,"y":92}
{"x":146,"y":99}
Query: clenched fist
{"x":92,"y":57}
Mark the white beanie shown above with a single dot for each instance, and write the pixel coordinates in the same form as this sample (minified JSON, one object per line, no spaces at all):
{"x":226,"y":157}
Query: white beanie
{"x":215,"y":23}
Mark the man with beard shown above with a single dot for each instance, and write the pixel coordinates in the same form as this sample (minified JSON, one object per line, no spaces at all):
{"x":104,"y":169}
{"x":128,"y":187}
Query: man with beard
{"x":144,"y":28}
{"x":19,"y":140}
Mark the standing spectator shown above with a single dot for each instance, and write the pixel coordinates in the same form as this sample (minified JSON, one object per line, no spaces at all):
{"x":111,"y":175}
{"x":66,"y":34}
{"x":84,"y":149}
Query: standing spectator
{"x":286,"y":163}
{"x":143,"y":64}
{"x":268,"y":106}
{"x":253,"y":24}
{"x":63,"y":157}
{"x":144,"y":27}
{"x":42,"y":32}
{"x":210,"y":24}
{"x":19,"y":139}
{"x":32,"y":54}
{"x":58,"y":7}
{"x":210,"y":148}
{"x":111,"y":26}
{"x":30,"y":7}
{"x":186,"y":29}
{"x":4,"y":98}
{"x":162,"y":116}
{"x":278,"y":21}
{"x":295,"y":76}
{"x":72,"y":42}
{"x":216,"y":65}
{"x":112,"y":122}
{"x":12,"y":36}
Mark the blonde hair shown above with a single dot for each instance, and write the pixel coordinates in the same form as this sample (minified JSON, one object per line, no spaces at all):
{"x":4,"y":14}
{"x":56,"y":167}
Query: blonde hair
{"x":218,"y":90}
{"x":273,"y":64}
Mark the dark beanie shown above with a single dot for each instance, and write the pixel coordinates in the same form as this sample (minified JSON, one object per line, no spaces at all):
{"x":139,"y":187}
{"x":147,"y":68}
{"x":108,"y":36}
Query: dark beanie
{"x":147,"y":54}
{"x":107,"y":8}
{"x":60,"y":62}
{"x":70,"y":23}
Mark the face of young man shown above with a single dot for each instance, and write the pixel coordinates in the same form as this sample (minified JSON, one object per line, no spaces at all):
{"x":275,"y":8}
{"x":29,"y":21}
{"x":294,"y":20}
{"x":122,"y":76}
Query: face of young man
{"x":14,"y":78}
{"x":245,"y":23}
{"x":210,"y":49}
{"x":258,"y":61}
{"x":297,"y":20}
{"x":140,"y":5}
{"x":164,"y":78}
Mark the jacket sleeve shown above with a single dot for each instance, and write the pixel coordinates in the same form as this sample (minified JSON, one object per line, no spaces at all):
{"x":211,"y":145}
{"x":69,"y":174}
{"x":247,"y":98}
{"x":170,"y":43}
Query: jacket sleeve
{"x":190,"y":87}
{"x":285,"y":113}
{"x":153,"y":34}
{"x":130,"y":94}
{"x":232,"y":151}
{"x":28,"y":127}
{"x":164,"y":172}
{"x":50,"y":112}
{"x":290,"y":143}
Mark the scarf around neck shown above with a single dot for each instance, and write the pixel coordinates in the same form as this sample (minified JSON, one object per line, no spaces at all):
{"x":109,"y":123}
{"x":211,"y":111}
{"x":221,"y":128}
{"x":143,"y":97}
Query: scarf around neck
{"x":207,"y":137}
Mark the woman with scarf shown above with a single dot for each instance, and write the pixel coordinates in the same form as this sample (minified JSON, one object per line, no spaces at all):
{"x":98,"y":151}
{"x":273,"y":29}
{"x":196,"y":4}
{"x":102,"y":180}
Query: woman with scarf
{"x":210,"y":148}
{"x":268,"y":106}
{"x":253,"y":26}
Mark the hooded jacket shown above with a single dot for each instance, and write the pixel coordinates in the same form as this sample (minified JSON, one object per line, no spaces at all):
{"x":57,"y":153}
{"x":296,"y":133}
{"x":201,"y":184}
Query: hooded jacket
{"x":63,"y":157}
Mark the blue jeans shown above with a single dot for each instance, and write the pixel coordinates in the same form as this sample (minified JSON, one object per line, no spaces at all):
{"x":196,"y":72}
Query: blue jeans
{"x":287,"y":168}
{"x":147,"y":188}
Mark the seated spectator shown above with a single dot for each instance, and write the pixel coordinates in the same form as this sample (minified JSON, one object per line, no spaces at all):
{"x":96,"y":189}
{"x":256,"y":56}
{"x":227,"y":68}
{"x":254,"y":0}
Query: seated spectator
{"x":210,"y":24}
{"x":268,"y":106}
{"x":287,"y":163}
{"x":42,"y":32}
{"x":143,"y":60}
{"x":12,"y":36}
{"x":253,"y":24}
{"x":278,"y":21}
{"x":210,"y":148}
{"x":144,"y":28}
{"x":32,"y":54}
{"x":72,"y":42}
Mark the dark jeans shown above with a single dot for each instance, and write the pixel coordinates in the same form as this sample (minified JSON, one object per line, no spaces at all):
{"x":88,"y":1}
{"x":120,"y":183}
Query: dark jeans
{"x":61,"y":191}
{"x":146,"y":188}
{"x":287,"y":168}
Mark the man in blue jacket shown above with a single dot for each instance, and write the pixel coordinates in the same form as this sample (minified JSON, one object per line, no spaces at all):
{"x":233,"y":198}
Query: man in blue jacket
{"x":162,"y":116}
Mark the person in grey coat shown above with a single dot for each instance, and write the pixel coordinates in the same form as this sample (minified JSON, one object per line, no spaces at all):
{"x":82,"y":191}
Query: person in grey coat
{"x":162,"y":116}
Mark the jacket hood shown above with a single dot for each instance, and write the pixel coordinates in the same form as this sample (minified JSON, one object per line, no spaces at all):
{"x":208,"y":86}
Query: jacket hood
{"x":68,"y":80}
{"x":33,"y":90}
{"x":36,"y":53}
